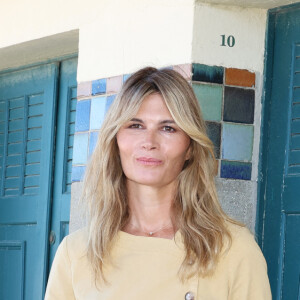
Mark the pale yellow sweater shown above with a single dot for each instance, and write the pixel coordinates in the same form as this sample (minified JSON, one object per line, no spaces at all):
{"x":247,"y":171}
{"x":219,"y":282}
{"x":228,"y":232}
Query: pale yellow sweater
{"x":146,"y":269}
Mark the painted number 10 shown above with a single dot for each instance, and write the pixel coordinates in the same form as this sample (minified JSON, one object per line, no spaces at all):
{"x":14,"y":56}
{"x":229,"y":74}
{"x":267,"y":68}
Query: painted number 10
{"x":230,"y":41}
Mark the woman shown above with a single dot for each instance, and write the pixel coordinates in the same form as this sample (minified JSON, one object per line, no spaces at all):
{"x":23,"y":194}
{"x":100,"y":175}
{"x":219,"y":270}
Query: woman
{"x":155,"y":227}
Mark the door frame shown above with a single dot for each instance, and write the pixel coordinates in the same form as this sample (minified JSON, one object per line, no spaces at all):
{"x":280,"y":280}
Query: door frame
{"x":263,"y":162}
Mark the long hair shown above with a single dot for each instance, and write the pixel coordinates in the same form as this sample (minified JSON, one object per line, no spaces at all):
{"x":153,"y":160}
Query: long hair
{"x":198,"y":214}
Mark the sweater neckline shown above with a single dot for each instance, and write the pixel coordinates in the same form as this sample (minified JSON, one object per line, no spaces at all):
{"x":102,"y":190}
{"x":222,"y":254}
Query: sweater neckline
{"x":144,"y":243}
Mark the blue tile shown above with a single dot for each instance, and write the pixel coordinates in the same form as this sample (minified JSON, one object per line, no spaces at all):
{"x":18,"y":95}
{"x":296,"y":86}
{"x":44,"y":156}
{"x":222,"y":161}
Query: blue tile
{"x":99,"y":86}
{"x":109,"y":101}
{"x":214,"y":133}
{"x":97,"y":112}
{"x":206,"y":73}
{"x":80,"y":148}
{"x":126,"y":76}
{"x":82,"y":122}
{"x":93,"y":141}
{"x":237,"y":142}
{"x":77,"y":173}
{"x":236,"y":170}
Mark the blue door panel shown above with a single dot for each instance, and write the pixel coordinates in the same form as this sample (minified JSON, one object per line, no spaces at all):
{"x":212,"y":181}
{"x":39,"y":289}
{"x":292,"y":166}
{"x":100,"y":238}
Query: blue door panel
{"x":63,"y":154}
{"x":27,"y":114}
{"x":281,"y":227}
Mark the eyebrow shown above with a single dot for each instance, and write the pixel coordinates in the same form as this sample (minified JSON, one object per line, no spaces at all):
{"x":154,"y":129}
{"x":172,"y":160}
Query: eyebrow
{"x":161,"y":122}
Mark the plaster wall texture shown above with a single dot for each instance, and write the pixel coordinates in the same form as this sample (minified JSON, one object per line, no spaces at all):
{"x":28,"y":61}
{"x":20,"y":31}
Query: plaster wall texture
{"x":247,"y":25}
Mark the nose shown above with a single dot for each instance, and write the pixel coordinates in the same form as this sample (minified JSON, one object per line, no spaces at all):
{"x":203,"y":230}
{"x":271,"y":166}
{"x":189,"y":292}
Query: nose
{"x":150,"y":141}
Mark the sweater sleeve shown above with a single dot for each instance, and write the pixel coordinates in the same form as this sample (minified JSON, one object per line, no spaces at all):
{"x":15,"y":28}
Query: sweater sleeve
{"x":248,"y":270}
{"x":59,"y":285}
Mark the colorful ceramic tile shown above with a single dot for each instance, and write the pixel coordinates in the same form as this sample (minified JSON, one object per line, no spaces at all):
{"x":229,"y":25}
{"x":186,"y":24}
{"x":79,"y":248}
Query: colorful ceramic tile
{"x":237,"y":142}
{"x":214,"y":133}
{"x":77,"y":173}
{"x":126,"y":76}
{"x":84,"y":89}
{"x":97,"y":112}
{"x":99,"y":86}
{"x":206,"y":73}
{"x":80,"y":148}
{"x":239,"y":105}
{"x":109,"y":101}
{"x":114,"y":84}
{"x":185,"y":70}
{"x":210,"y":100}
{"x":82,"y":115}
{"x":236,"y":170}
{"x":239,"y":77}
{"x":93,"y":141}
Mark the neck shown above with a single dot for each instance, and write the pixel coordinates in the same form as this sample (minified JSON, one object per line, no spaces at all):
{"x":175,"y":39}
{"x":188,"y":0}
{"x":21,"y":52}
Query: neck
{"x":150,"y":208}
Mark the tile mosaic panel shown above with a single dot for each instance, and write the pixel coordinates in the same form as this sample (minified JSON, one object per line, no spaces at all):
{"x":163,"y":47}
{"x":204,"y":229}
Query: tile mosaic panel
{"x":210,"y":100}
{"x":237,"y":142}
{"x":226,"y":97}
{"x":206,"y":73}
{"x":239,"y":105}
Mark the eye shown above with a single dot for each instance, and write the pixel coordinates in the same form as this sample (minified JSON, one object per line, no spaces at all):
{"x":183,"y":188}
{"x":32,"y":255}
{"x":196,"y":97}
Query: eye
{"x":135,"y":126}
{"x":169,"y":129}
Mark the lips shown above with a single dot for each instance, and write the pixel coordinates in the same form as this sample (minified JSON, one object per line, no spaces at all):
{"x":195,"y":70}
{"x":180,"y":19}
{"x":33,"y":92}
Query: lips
{"x":149,"y":161}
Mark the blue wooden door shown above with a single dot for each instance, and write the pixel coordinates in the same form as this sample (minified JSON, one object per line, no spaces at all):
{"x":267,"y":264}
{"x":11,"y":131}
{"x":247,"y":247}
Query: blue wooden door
{"x":27,"y":119}
{"x":279,"y":226}
{"x":63,"y":154}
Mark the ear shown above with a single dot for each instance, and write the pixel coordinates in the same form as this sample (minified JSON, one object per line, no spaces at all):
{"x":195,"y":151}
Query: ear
{"x":189,"y":152}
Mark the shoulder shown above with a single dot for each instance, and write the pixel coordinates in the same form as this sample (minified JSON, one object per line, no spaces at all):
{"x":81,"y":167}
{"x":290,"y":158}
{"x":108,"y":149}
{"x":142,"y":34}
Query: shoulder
{"x":76,"y":243}
{"x":244,"y":250}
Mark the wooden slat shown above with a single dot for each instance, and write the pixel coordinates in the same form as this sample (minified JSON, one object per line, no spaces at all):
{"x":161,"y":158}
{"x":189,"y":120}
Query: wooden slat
{"x":13,"y":171}
{"x":34,"y":133}
{"x":33,"y":157}
{"x":17,"y":102}
{"x":13,"y":160}
{"x":16,"y":125}
{"x":33,"y":145}
{"x":295,"y":142}
{"x":15,"y":136}
{"x":15,"y":148}
{"x":296,"y":111}
{"x":17,"y":113}
{"x":294,"y":157}
{"x":35,"y":121}
{"x":35,"y":110}
{"x":32,"y":181}
{"x":35,"y":99}
{"x":295,"y":126}
{"x":32,"y":169}
{"x":12,"y":182}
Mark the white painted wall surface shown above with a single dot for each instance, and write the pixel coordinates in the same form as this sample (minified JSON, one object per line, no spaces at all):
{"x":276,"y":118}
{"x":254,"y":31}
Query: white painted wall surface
{"x":131,"y":34}
{"x":115,"y":36}
{"x":247,"y":25}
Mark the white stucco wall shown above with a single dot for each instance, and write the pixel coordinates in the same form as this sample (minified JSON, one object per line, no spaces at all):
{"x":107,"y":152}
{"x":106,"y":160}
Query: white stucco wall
{"x":115,"y":37}
{"x":247,"y":25}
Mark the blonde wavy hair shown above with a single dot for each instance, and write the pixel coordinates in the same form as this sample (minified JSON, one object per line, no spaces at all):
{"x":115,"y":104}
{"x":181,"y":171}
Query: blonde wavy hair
{"x":198,"y":214}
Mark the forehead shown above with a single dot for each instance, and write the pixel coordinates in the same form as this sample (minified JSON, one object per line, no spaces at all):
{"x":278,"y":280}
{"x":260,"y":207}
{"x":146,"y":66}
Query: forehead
{"x":154,"y":105}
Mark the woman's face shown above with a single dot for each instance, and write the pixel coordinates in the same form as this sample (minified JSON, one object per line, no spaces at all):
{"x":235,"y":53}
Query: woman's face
{"x":152,"y":147}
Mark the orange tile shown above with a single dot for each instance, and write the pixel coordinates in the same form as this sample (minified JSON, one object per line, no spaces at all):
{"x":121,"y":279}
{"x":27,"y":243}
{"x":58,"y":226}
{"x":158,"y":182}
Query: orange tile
{"x":239,"y":77}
